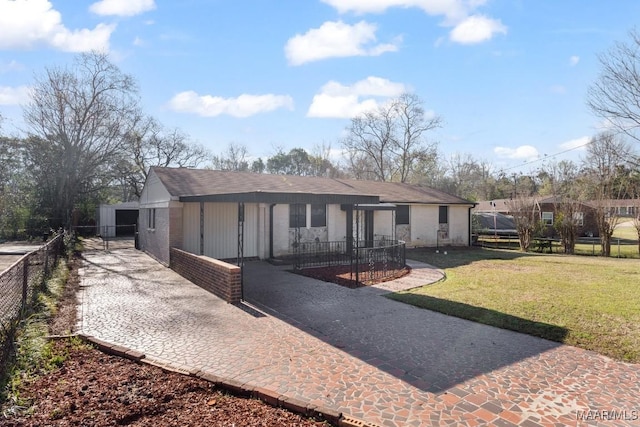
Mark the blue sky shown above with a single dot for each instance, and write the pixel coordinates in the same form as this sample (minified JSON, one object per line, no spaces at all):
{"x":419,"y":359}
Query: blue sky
{"x":508,"y":77}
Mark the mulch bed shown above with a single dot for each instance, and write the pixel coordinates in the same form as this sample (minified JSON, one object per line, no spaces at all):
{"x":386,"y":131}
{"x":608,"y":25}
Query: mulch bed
{"x":343,"y":276}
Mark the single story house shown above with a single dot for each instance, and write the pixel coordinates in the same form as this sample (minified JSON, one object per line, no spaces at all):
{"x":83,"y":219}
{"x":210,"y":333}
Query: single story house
{"x":546,"y":208}
{"x":220,"y":214}
{"x":119,"y":219}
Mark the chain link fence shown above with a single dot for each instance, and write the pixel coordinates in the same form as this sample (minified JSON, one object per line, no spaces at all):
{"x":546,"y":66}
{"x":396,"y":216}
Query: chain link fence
{"x":18,"y":285}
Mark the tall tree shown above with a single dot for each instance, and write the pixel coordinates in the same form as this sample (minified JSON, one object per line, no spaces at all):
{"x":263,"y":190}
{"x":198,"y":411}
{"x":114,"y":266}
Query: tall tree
{"x":605,"y":154}
{"x":526,"y":218}
{"x":388,"y":142}
{"x":233,"y":159}
{"x":296,"y":162}
{"x":14,"y":196}
{"x":565,"y":188}
{"x":151,"y":144}
{"x":615,"y":96}
{"x":78,"y":117}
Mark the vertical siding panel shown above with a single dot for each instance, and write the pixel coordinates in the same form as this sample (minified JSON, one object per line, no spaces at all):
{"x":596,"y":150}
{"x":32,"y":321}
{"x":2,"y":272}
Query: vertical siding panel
{"x":221,"y":230}
{"x":250,"y":230}
{"x":191,"y":227}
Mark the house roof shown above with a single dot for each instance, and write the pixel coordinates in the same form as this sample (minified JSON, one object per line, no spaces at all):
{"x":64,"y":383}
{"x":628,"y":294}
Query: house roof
{"x":213,"y":185}
{"x":503,"y":205}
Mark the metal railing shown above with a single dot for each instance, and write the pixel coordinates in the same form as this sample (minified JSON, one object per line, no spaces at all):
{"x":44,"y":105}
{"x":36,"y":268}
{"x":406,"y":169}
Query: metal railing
{"x":366,"y":260}
{"x":382,"y":262}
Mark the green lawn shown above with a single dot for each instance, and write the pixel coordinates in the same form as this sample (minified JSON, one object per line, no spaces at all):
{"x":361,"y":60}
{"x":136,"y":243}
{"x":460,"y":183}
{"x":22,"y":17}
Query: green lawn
{"x":589,"y":302}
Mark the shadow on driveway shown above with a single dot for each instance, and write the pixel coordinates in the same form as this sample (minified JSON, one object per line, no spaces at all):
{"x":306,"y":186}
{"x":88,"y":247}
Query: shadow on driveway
{"x":429,"y":350}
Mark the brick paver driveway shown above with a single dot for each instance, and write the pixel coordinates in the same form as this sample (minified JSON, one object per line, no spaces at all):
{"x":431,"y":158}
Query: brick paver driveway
{"x":352,"y":350}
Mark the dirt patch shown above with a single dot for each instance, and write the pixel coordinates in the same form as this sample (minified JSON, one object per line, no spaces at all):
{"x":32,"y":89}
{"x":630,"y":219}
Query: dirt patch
{"x":344,"y":275}
{"x":64,"y":322}
{"x":91,"y":388}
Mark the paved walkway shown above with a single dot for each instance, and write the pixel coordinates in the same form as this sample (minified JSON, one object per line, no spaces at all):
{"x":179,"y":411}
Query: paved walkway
{"x":352,"y":350}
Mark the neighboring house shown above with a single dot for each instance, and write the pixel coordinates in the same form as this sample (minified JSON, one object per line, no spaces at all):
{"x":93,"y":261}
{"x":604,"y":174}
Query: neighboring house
{"x":221,"y":214}
{"x":118,"y":220}
{"x":546,"y":207}
{"x":624,"y":208}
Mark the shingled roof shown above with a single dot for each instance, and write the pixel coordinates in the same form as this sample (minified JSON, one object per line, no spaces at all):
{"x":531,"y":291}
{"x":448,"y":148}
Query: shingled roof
{"x":210,"y":185}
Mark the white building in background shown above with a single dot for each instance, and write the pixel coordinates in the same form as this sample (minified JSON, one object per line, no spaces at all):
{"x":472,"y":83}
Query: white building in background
{"x":120,"y":219}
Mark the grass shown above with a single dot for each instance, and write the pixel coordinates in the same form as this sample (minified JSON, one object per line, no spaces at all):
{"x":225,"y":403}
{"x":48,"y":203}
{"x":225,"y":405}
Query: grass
{"x":589,"y":302}
{"x":34,"y":352}
{"x":625,"y":232}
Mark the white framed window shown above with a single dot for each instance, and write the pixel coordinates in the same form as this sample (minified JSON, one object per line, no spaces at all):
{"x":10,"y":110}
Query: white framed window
{"x":547,"y":218}
{"x":318,"y":215}
{"x":578,"y":218}
{"x":297,"y":215}
{"x":151,"y":219}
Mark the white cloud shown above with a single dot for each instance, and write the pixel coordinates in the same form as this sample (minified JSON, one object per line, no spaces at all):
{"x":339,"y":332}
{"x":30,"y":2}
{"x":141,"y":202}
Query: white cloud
{"x":573,"y":61}
{"x":452,"y":9}
{"x":524,"y":152}
{"x":578,"y":143}
{"x":242,"y":106}
{"x":14,"y":95}
{"x":476,"y":29}
{"x":138,"y":42}
{"x":469,"y":28}
{"x":336,"y":39}
{"x":336,"y":100}
{"x":29,"y":23}
{"x":122,"y":7}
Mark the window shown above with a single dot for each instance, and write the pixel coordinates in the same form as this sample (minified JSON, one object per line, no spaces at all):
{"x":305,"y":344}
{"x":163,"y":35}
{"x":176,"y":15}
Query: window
{"x":443,"y":215}
{"x":151,"y":220}
{"x":578,"y":218}
{"x":547,"y":218}
{"x":402,"y":214}
{"x":297,"y":215}
{"x":318,"y":215}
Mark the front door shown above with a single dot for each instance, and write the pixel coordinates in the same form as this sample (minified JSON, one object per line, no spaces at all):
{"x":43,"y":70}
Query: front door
{"x":368,"y":229}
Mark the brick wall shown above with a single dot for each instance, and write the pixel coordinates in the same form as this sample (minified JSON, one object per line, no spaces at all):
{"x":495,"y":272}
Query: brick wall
{"x":218,"y":277}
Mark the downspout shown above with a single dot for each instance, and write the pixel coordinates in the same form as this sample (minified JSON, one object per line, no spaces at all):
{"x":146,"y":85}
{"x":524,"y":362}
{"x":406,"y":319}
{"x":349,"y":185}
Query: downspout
{"x":271,"y":230}
{"x":471,"y":225}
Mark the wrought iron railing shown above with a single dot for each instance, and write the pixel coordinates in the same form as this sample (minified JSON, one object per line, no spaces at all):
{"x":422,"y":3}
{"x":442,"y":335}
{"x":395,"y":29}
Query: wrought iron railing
{"x":366,"y":260}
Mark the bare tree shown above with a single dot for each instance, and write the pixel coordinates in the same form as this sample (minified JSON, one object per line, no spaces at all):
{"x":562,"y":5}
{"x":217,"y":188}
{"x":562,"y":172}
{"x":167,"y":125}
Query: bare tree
{"x":526,"y":217}
{"x":615,"y":96}
{"x":321,"y":163}
{"x":409,"y":144}
{"x":369,"y":143}
{"x":233,"y":159}
{"x":605,"y":154}
{"x":79,"y":117}
{"x":388,"y":142}
{"x":563,"y":180}
{"x":636,"y":215}
{"x":150,"y":144}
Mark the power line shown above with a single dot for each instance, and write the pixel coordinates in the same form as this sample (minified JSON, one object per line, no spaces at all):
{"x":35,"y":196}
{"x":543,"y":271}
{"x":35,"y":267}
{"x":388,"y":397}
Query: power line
{"x":547,"y":157}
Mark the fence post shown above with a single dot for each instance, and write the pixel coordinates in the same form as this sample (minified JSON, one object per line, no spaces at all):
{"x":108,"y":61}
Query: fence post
{"x":618,"y":248}
{"x":25,"y":281}
{"x":46,"y":260}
